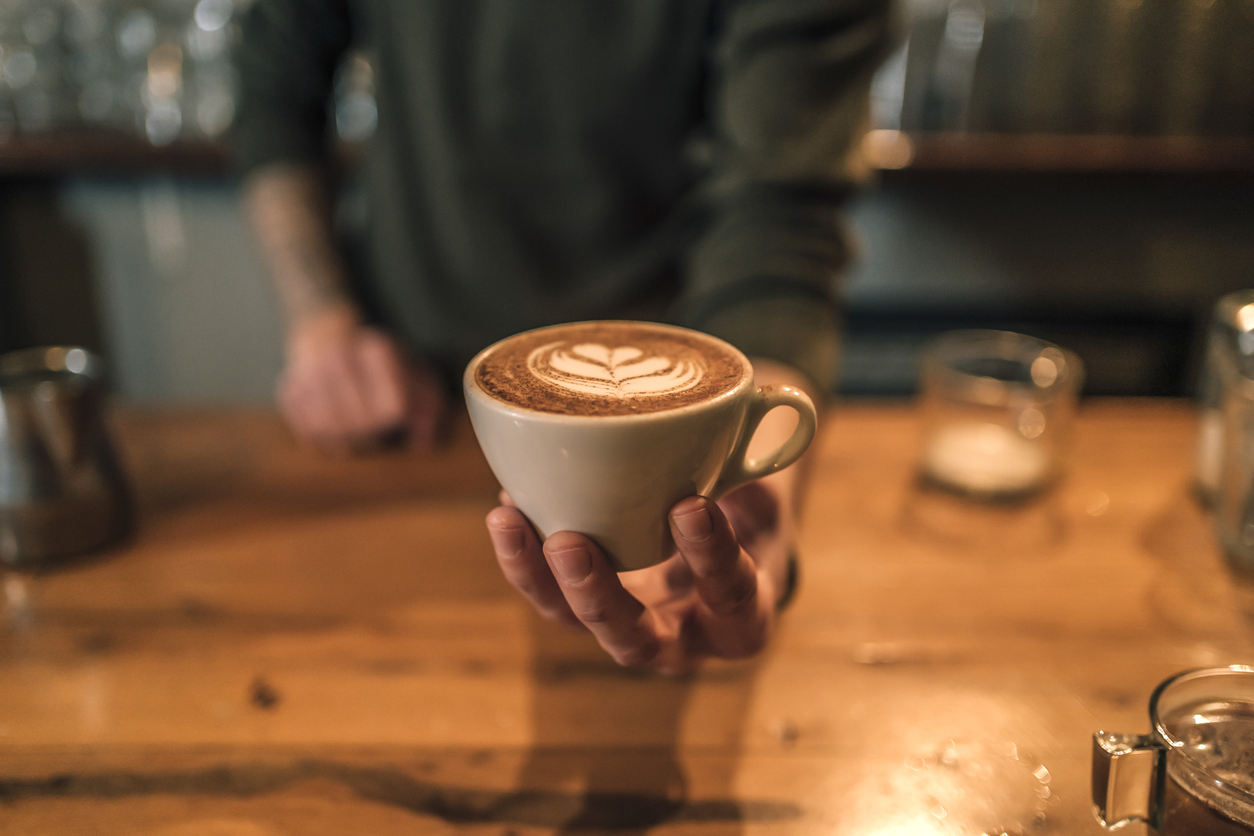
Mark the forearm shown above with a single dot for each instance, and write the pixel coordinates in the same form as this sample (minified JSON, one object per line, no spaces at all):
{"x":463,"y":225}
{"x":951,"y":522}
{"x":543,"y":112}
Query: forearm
{"x":290,"y":211}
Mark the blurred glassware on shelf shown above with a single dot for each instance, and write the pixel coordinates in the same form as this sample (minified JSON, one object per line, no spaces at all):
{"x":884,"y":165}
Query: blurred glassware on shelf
{"x":953,"y":74}
{"x":211,"y":84}
{"x":159,"y":70}
{"x":997,"y":409}
{"x":1232,"y":359}
{"x":1152,"y":67}
{"x":1231,"y":330}
{"x":162,"y":94}
{"x":356,"y":111}
{"x":137,"y":32}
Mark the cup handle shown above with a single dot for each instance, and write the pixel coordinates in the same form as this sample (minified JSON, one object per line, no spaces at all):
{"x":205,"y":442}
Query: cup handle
{"x":741,"y":469}
{"x":1127,"y":778}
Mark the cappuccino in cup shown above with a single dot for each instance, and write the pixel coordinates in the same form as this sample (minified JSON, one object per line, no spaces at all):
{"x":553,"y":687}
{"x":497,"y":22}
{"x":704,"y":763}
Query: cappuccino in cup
{"x":601,"y":427}
{"x":609,"y":368}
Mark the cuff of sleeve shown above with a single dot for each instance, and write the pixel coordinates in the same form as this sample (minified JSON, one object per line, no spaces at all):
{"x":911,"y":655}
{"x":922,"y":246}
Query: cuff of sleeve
{"x":264,"y":142}
{"x":797,"y":330}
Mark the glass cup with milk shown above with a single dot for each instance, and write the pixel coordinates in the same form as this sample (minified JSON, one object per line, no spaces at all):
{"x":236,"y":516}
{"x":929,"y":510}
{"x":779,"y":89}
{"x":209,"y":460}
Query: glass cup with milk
{"x":998,"y":409}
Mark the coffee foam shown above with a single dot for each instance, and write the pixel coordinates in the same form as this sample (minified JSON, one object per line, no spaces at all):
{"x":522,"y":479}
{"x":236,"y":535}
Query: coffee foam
{"x":609,"y":368}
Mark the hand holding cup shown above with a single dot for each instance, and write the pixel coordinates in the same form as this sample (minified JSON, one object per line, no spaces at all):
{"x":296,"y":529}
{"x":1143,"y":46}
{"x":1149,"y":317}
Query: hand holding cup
{"x":602,"y":427}
{"x":613,"y":439}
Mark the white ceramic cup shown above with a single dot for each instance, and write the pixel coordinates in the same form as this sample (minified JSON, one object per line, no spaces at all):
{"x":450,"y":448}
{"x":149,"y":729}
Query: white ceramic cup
{"x":615,"y":478}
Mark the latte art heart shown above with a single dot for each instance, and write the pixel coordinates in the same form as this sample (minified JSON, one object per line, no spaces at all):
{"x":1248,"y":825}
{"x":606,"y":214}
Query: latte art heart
{"x":609,"y":368}
{"x":620,"y":371}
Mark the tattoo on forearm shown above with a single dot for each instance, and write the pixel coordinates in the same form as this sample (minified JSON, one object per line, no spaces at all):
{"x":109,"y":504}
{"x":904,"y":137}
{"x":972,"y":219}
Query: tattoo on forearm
{"x":291,"y":214}
{"x":314,"y":278}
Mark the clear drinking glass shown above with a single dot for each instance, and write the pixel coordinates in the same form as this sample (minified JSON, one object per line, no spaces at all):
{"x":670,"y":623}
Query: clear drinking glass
{"x":1232,"y":358}
{"x":998,"y":408}
{"x":1231,"y":331}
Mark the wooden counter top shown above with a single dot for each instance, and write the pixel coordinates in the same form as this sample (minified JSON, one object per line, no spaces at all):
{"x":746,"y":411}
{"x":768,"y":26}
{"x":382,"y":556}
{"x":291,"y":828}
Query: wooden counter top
{"x":298,"y":645}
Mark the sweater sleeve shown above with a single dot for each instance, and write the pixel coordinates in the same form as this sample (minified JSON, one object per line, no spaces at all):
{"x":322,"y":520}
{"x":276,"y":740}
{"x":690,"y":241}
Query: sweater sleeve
{"x":789,"y":104}
{"x":286,"y":61}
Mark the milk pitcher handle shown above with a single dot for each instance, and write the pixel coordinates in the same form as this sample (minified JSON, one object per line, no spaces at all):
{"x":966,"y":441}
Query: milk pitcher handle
{"x":739,"y":468}
{"x":66,"y":417}
{"x":1128,"y":774}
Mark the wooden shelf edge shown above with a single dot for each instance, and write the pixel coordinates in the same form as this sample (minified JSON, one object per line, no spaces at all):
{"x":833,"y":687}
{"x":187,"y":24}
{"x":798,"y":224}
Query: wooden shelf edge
{"x":101,"y":152}
{"x":890,"y":150}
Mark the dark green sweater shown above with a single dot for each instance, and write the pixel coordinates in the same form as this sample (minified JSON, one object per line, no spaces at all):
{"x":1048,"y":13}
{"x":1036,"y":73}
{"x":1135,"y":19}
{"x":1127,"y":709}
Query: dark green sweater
{"x":539,"y":161}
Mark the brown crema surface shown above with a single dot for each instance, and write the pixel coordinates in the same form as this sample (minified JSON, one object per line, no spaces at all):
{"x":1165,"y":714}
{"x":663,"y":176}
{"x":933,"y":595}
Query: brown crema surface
{"x":506,"y":375}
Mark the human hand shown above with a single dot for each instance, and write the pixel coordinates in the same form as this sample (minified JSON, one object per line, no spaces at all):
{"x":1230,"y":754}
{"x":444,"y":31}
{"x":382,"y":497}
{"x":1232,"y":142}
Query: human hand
{"x":346,"y":386}
{"x":715,"y":598}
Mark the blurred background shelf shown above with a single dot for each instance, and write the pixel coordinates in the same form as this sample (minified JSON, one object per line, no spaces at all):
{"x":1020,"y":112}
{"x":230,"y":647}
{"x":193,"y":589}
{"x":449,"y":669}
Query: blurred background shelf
{"x":1078,"y":170}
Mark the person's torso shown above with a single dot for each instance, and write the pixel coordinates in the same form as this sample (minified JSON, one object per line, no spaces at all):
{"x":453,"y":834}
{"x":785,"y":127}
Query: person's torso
{"x":532,"y":158}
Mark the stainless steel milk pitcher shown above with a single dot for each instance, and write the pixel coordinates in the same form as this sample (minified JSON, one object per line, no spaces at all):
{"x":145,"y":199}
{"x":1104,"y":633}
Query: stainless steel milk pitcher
{"x":62,"y":489}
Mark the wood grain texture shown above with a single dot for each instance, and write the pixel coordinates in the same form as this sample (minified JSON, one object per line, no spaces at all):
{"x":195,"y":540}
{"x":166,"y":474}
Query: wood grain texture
{"x":301,"y":645}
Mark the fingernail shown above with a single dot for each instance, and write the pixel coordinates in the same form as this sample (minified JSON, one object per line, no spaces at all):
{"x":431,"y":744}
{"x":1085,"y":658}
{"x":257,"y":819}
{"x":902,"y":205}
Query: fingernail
{"x":507,"y":541}
{"x":695,"y":525}
{"x":573,"y":564}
